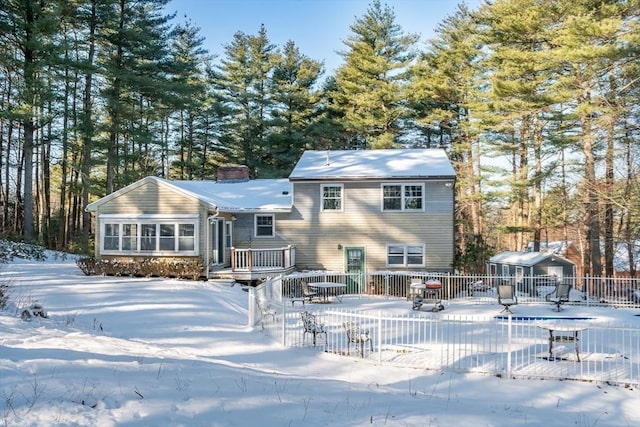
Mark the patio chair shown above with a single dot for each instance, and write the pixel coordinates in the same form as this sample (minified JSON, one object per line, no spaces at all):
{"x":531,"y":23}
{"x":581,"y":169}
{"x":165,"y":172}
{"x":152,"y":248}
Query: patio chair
{"x":312,"y":327}
{"x":265,"y":311}
{"x":560,"y":295}
{"x":507,"y":296}
{"x":307,"y":293}
{"x":357,"y":336}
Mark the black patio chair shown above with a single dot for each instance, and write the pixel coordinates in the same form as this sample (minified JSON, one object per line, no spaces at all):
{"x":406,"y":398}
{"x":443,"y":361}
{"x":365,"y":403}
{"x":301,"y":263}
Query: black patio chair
{"x":560,"y":295}
{"x":307,"y":293}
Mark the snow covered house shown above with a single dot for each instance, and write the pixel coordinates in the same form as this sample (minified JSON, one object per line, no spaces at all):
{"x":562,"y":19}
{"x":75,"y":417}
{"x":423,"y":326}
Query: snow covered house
{"x":347,"y":211}
{"x":530,"y":270}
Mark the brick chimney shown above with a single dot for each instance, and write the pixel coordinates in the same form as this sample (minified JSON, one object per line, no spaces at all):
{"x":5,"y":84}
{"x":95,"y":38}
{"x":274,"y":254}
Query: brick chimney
{"x":233,"y":173}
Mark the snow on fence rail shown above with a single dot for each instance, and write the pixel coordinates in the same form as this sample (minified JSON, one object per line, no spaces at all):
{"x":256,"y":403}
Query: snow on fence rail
{"x":502,"y":346}
{"x":530,"y":289}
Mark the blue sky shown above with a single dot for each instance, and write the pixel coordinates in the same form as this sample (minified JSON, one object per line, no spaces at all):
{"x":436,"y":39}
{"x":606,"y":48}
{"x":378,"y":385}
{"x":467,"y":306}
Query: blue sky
{"x":317,"y":27}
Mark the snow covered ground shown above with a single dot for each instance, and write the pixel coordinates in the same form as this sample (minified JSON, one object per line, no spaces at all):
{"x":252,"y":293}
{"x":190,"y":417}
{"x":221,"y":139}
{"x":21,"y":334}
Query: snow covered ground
{"x":118,"y":351}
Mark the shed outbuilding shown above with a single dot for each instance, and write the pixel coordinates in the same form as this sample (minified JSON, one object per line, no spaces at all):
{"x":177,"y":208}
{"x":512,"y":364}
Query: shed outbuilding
{"x":531,"y":270}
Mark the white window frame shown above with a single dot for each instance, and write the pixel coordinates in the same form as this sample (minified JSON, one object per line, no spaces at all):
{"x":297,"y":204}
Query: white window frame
{"x":255,"y":226}
{"x":323,"y":198}
{"x":152,"y":224}
{"x":406,"y":254}
{"x":403,"y":196}
{"x":505,"y":270}
{"x":228,"y":234}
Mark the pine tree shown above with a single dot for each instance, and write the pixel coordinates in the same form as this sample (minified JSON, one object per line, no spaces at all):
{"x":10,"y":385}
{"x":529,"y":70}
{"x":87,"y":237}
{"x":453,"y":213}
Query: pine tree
{"x":190,"y":94}
{"x":521,"y":64}
{"x":444,"y":98}
{"x":242,"y":84}
{"x":295,"y":98}
{"x":371,"y":86}
{"x":137,"y":74}
{"x":27,"y":30}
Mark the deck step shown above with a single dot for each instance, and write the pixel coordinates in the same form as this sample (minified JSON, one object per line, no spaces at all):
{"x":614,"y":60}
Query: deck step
{"x":223,"y":282}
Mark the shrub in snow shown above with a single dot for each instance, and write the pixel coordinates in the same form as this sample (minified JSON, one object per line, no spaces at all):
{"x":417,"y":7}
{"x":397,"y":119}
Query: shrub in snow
{"x":147,"y":267}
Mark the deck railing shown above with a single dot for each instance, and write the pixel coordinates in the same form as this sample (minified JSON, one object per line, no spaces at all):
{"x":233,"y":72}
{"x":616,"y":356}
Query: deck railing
{"x":271,"y":259}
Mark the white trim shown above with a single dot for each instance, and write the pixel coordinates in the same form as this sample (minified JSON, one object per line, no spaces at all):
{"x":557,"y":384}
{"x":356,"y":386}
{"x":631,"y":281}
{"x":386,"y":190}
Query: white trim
{"x":255,"y":226}
{"x":405,"y":254}
{"x":147,"y":216}
{"x":402,"y":185}
{"x":157,"y":221}
{"x":322,"y":198}
{"x":505,"y":270}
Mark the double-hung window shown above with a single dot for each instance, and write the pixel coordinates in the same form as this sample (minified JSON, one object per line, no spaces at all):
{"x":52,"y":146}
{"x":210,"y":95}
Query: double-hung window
{"x":402,"y":197}
{"x":332,"y":197}
{"x":149,"y":234}
{"x":264,"y":226}
{"x":405,"y":255}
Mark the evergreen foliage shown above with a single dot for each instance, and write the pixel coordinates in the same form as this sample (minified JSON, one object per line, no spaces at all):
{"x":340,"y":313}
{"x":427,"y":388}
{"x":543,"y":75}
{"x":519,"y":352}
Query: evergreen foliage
{"x":370,"y":88}
{"x":535,"y":102}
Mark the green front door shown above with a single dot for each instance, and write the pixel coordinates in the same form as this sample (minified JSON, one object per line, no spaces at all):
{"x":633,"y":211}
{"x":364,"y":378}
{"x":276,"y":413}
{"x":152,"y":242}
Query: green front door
{"x":354,"y":267}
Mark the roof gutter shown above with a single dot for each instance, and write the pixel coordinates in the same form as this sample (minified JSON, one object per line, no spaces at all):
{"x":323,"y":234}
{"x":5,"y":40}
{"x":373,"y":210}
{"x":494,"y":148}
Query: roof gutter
{"x":210,"y":219}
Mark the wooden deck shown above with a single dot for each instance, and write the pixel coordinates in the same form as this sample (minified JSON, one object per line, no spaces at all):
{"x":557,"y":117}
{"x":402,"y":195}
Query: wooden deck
{"x":248,"y":265}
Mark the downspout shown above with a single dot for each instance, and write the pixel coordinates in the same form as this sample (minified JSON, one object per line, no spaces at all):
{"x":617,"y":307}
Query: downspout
{"x":210,"y":219}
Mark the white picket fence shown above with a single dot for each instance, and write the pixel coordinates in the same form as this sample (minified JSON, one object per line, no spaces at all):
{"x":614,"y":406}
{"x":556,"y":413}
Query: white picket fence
{"x":509,"y":347}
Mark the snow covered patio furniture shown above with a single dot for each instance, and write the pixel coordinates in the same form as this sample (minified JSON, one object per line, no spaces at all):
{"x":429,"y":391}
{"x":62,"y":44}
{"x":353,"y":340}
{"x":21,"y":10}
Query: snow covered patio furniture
{"x":311,"y":326}
{"x":307,"y":294}
{"x":563,"y":333}
{"x":266,"y":311}
{"x":427,"y":292}
{"x":507,"y":297}
{"x":560,"y":295}
{"x":357,"y":336}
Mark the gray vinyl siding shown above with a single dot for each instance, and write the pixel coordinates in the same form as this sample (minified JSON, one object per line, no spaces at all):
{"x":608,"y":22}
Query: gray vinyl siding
{"x":363,"y":224}
{"x":151,"y":198}
{"x":244,"y":237}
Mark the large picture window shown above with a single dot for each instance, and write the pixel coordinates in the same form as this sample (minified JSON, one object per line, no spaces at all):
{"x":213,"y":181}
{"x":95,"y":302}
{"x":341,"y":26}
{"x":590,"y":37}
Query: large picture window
{"x":149,"y":234}
{"x":332,"y":197}
{"x":402,"y":197}
{"x":264,"y":226}
{"x":405,"y":255}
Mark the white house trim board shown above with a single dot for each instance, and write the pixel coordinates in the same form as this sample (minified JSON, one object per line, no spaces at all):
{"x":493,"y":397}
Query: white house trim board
{"x":93,"y":207}
{"x":159,"y":217}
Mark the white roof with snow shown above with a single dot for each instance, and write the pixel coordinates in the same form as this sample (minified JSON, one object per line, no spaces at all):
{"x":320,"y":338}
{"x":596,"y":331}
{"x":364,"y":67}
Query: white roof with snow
{"x":259,"y":195}
{"x":248,"y":196}
{"x":373,"y":164}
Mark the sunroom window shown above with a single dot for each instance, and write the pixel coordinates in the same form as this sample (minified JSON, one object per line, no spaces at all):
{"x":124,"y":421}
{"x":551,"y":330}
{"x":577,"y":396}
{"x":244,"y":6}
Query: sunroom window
{"x":148,"y":237}
{"x":167,"y":237}
{"x":186,"y":238}
{"x":111,"y":236}
{"x":129,"y":237}
{"x":149,"y":234}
